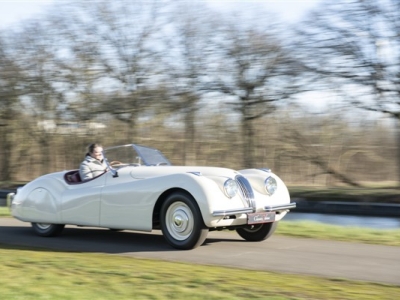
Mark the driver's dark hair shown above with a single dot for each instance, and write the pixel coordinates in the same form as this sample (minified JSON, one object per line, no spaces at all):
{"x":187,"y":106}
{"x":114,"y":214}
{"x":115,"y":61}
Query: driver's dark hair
{"x":91,"y":147}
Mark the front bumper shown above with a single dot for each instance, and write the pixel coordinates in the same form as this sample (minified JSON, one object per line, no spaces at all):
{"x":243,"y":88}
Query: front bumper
{"x":10,"y":198}
{"x":248,"y":210}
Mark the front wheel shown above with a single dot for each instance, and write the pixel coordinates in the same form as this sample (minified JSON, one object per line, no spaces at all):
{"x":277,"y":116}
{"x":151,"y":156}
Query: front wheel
{"x":47,"y":230}
{"x":181,"y":222}
{"x":256,"y":233}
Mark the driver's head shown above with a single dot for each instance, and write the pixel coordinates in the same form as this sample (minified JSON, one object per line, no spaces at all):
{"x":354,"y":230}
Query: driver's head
{"x":96,"y":151}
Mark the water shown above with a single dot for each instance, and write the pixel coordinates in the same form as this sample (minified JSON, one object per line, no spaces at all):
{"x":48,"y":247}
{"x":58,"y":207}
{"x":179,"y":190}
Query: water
{"x":346,"y":220}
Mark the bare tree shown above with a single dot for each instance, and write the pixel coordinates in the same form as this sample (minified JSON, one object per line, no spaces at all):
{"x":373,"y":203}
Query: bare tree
{"x":319,"y":142}
{"x":354,"y":46}
{"x":254,"y":73}
{"x":111,"y":49}
{"x":41,"y":94}
{"x":10,"y":75}
{"x":188,"y":47}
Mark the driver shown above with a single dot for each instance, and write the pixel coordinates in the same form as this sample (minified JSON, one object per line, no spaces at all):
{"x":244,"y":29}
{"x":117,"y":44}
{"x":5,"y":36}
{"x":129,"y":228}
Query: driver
{"x":93,"y":165}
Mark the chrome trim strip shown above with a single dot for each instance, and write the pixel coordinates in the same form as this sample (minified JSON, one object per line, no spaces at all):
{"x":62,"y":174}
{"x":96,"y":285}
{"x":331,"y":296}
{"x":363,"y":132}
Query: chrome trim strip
{"x":246,"y":190}
{"x":280,"y":207}
{"x":10,"y":198}
{"x":223,"y":213}
{"x":196,"y":173}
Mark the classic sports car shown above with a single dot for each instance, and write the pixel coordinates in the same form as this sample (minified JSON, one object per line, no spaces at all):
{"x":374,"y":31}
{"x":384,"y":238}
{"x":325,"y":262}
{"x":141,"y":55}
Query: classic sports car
{"x":142,"y":191}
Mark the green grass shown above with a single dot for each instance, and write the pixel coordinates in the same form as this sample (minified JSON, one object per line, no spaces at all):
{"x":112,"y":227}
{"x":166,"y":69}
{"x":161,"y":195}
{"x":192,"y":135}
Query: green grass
{"x":40,"y":274}
{"x":307,"y":229}
{"x":4,"y":211}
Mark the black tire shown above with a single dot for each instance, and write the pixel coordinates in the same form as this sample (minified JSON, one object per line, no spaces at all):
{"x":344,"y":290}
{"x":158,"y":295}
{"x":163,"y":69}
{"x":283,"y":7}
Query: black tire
{"x":257,"y":232}
{"x":181,"y":222}
{"x":47,"y":230}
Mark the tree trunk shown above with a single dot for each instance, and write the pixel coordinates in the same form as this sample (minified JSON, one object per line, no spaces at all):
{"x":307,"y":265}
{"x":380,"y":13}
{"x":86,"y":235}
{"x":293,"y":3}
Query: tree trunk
{"x":248,"y":143}
{"x":189,"y":142}
{"x":398,"y":150}
{"x":131,"y":133}
{"x":6,"y":145}
{"x":46,"y":154}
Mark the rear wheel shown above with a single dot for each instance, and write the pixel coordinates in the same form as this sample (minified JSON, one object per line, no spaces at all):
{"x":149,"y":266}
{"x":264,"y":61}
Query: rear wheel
{"x":44,"y":229}
{"x":258,"y":232}
{"x":181,"y":222}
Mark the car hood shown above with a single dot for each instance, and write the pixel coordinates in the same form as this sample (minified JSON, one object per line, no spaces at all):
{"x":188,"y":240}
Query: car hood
{"x":155,"y":171}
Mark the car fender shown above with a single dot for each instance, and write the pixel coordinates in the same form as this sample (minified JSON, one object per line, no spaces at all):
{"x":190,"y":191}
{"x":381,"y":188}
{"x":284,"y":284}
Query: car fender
{"x":257,"y":178}
{"x":39,"y":200}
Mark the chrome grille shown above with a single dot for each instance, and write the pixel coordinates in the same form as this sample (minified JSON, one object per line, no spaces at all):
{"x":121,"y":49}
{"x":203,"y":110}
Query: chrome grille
{"x":246,"y":190}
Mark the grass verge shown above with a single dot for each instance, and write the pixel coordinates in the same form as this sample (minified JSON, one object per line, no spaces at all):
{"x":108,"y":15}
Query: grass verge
{"x":315,"y":230}
{"x":40,"y":274}
{"x":4,"y":211}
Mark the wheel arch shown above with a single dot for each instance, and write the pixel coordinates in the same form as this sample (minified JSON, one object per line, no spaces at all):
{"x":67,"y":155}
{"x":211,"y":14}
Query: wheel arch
{"x":163,"y":197}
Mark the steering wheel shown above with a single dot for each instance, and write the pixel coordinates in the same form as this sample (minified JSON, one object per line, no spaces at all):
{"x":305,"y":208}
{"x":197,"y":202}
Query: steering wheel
{"x":115,"y":162}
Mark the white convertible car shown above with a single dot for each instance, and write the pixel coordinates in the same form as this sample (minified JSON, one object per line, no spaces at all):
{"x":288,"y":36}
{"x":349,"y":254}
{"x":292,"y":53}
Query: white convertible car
{"x":142,"y":191}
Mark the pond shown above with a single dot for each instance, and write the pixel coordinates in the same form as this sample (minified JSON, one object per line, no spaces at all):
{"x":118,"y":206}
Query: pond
{"x":346,"y":220}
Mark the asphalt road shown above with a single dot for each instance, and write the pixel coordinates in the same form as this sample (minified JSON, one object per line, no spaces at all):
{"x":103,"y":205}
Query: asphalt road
{"x":279,"y":254}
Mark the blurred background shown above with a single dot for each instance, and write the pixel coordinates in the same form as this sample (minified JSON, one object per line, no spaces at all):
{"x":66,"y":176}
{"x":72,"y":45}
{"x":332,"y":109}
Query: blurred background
{"x":310,"y":89}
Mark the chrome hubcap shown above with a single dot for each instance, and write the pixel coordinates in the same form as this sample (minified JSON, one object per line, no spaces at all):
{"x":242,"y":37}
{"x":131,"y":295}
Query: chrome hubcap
{"x":253,"y":228}
{"x":43,"y":226}
{"x":179,"y":221}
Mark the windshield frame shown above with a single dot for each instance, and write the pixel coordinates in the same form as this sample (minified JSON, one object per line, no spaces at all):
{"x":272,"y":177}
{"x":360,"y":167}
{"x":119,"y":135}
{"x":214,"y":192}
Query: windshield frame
{"x":161,"y":159}
{"x":146,"y":156}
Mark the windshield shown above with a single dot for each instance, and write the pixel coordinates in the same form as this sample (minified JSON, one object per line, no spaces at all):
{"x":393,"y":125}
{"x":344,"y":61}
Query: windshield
{"x":132,"y":154}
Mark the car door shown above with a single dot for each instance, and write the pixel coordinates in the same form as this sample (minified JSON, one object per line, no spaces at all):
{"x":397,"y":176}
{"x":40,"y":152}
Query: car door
{"x":127,"y":202}
{"x":81,"y":202}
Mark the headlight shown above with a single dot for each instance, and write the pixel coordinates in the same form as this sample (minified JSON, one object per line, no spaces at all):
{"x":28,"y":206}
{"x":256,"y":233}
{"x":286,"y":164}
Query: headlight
{"x":231,"y":188}
{"x":270,"y":185}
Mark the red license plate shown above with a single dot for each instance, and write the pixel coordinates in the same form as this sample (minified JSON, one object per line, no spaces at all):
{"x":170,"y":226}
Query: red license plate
{"x":263,"y":217}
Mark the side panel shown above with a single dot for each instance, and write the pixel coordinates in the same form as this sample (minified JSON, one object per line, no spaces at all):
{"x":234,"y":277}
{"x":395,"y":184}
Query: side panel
{"x":129,"y":204}
{"x":81,"y":202}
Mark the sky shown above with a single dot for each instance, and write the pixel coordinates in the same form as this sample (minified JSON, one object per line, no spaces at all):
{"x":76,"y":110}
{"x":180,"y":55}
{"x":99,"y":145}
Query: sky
{"x":287,"y":10}
{"x":14,"y":11}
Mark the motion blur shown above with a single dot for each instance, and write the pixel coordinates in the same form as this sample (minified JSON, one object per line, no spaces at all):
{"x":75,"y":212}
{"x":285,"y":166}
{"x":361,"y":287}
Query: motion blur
{"x":316,"y":102}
